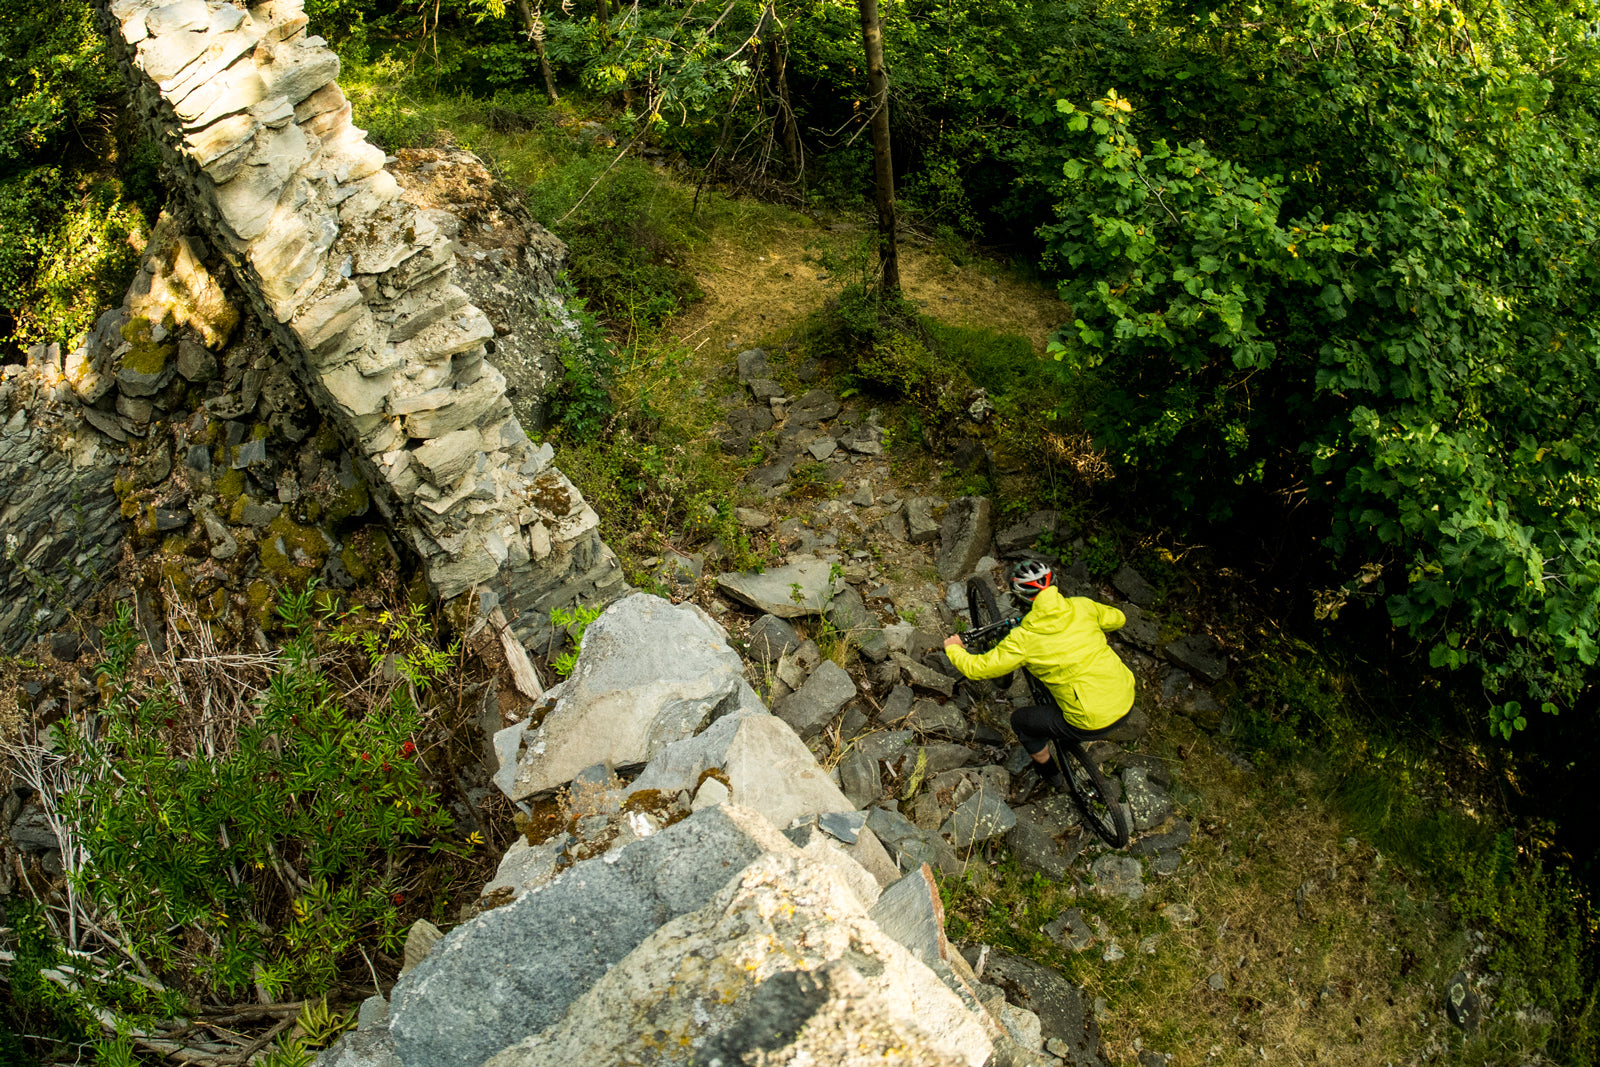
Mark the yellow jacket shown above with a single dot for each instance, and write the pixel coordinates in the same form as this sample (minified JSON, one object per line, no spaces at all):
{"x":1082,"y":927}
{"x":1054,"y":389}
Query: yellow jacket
{"x":1063,"y":644}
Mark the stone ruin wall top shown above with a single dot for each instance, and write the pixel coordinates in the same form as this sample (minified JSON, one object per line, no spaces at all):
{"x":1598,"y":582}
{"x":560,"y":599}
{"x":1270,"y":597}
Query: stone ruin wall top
{"x":358,"y":288}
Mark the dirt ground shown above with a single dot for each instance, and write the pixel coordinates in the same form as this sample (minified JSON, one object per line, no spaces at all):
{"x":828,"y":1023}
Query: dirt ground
{"x":752,"y":294}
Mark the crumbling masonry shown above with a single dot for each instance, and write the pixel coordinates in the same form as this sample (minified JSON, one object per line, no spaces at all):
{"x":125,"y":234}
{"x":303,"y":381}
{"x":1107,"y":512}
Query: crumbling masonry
{"x":358,"y":289}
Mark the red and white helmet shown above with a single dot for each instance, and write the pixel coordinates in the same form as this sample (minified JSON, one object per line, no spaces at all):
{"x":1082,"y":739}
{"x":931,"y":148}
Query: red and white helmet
{"x":1030,"y":578}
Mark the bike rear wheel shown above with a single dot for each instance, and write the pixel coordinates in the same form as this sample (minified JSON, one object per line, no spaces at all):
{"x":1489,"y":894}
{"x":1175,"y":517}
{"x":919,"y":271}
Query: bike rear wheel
{"x":1101,"y":813}
{"x":982,"y":608}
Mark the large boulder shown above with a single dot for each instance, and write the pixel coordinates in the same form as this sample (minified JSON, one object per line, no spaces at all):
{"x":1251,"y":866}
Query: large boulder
{"x":1064,"y":1013}
{"x":963,"y":537}
{"x":803,"y":586}
{"x":1021,"y":536}
{"x":784,"y":957}
{"x":768,"y":768}
{"x":650,"y":673}
{"x":1201,"y":654}
{"x":514,"y":970}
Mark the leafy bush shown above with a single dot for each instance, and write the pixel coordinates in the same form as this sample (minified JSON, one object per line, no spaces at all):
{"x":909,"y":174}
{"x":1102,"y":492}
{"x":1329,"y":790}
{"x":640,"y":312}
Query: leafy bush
{"x":70,"y":233}
{"x":265,"y":859}
{"x":1387,"y":334}
{"x":56,"y":276}
{"x":1536,"y":920}
{"x":58,"y":80}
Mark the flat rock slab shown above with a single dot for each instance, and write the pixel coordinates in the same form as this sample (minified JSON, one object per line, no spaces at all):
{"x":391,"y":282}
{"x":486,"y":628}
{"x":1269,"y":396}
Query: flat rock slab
{"x":769,"y":768}
{"x":909,"y":845}
{"x":804,"y":586}
{"x":922,"y":516}
{"x":886,"y":744}
{"x":1167,"y":841}
{"x":753,"y":363}
{"x":1131,"y":584}
{"x":1021,"y":536}
{"x":1038,"y":850}
{"x":846,"y":826}
{"x":924,"y":677}
{"x":650,"y":673}
{"x":980,"y":817}
{"x":1064,"y":1013}
{"x":1140,"y":630}
{"x":809,"y":708}
{"x":771,"y":639}
{"x":911,"y":912}
{"x":1148,"y":803}
{"x":1199,"y":653}
{"x":1070,"y":931}
{"x":514,"y":970}
{"x":1120,"y":876}
{"x":931,"y":717}
{"x":814,"y":408}
{"x":849,"y":615}
{"x":860,"y":778}
{"x":964,"y":537}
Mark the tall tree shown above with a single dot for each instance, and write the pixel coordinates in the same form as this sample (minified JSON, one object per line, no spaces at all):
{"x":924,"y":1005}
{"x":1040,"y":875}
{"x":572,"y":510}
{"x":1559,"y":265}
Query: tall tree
{"x":778,"y":81}
{"x":882,"y":162}
{"x":532,"y":22}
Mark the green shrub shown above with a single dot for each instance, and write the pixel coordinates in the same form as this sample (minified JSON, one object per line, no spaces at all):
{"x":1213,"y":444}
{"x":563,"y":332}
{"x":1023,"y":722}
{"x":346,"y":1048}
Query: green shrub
{"x":56,"y":277}
{"x":1537,"y":921}
{"x":267,"y":860}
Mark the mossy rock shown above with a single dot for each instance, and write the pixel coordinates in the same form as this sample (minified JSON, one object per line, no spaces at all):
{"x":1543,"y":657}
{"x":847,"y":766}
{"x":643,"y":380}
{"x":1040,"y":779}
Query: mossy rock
{"x":262,"y":601}
{"x":175,"y":575}
{"x":229,"y":486}
{"x":327,"y":440}
{"x":368,"y":553}
{"x":147,"y":357}
{"x":291,"y":552}
{"x":349,"y":503}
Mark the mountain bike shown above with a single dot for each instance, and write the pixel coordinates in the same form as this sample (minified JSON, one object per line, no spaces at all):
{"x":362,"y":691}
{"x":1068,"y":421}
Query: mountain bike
{"x":1103,"y":814}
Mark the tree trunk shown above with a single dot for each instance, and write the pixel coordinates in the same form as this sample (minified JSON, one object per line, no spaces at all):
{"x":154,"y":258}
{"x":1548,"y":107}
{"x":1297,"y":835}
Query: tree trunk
{"x":882,"y":162}
{"x":778,"y":81}
{"x":530,"y":24}
{"x":603,"y":10}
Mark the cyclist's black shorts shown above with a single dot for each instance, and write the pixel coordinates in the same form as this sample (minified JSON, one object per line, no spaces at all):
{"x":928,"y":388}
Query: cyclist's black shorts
{"x":1038,"y":723}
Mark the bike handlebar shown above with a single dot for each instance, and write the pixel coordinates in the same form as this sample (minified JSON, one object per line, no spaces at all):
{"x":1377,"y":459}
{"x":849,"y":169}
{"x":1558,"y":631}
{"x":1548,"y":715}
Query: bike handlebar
{"x":990,"y":635}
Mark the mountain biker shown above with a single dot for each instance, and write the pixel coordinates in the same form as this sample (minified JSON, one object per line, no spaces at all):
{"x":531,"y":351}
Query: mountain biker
{"x":1062,"y":642}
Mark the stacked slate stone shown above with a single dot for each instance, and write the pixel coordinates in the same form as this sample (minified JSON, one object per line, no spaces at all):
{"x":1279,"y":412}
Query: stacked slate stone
{"x":58,"y":508}
{"x":358,"y":288}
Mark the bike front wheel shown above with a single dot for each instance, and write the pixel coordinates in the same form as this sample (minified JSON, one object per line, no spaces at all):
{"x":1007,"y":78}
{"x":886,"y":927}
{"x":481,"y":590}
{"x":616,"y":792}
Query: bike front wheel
{"x":982,"y":608}
{"x":1101,"y":812}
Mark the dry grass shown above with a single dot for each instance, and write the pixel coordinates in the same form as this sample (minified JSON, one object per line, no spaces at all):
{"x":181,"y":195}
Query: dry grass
{"x":1326,"y":953}
{"x":752,"y":294}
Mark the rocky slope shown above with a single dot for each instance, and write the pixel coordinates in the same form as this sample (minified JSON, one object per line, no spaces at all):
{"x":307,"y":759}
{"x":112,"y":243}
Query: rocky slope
{"x":728,"y":904}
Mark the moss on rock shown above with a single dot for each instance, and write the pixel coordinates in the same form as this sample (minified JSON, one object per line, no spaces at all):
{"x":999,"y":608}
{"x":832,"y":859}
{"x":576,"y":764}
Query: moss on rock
{"x":291,"y":552}
{"x":146,"y":356}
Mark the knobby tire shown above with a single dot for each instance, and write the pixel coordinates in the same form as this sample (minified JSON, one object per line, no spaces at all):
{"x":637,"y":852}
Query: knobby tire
{"x":1093,"y":793}
{"x":983,"y":610}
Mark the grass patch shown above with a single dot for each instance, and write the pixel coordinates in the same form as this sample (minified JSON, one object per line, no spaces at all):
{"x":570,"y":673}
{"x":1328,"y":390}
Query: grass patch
{"x":628,"y":225}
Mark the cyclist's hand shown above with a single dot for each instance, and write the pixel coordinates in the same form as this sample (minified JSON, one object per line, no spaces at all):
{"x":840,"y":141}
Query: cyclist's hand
{"x":954,"y":641}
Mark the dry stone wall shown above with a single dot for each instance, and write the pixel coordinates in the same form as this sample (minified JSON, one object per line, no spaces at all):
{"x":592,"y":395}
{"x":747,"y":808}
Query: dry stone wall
{"x":359,"y":289}
{"x":58,"y":507}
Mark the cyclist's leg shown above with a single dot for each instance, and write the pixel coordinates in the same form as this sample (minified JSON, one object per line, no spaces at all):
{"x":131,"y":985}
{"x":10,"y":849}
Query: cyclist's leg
{"x":1036,"y":725}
